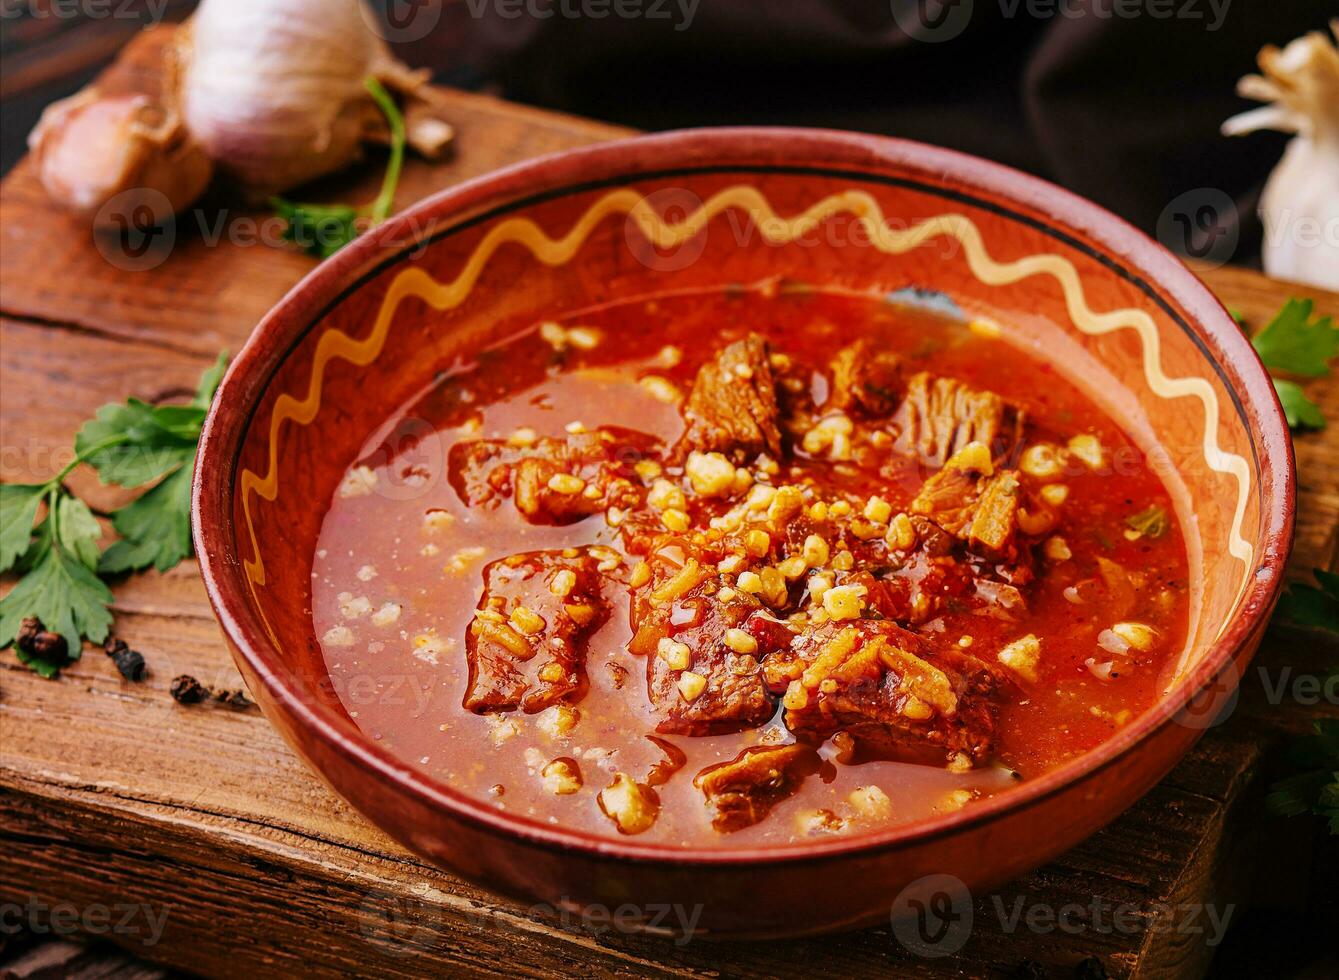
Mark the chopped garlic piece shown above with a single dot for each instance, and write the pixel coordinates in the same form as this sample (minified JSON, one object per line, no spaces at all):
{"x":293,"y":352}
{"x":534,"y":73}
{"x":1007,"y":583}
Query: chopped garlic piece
{"x":1042,"y":460}
{"x":691,"y":685}
{"x":557,"y":720}
{"x":1138,"y":635}
{"x":677,"y":656}
{"x":358,"y":482}
{"x":338,"y":636}
{"x":1057,"y":549}
{"x":661,"y":389}
{"x":739,"y":641}
{"x":870,"y":801}
{"x":632,"y":806}
{"x":844,"y":601}
{"x":561,"y":777}
{"x":711,"y":474}
{"x":1088,"y":448}
{"x":1021,"y":657}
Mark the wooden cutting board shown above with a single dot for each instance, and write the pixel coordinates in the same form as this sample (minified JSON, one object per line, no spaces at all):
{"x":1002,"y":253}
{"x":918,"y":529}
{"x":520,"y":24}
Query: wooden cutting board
{"x":113,"y":795}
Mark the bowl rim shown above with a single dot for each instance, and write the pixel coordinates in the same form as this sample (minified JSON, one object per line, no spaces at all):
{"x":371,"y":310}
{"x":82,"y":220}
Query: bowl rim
{"x":1224,"y":347}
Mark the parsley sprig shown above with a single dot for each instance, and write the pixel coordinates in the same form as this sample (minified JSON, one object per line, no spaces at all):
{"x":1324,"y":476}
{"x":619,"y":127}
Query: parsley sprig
{"x":323,"y":229}
{"x":58,"y":558}
{"x":1314,"y":786}
{"x":1296,"y":343}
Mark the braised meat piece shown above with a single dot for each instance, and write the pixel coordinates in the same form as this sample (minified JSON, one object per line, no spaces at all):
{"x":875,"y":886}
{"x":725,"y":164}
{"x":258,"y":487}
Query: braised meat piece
{"x":526,"y":645}
{"x":973,"y":502}
{"x":732,"y":407}
{"x":884,"y":687}
{"x":865,"y":380}
{"x":553,"y":481}
{"x":743,"y":791}
{"x":702,"y":643}
{"x":939,"y":417}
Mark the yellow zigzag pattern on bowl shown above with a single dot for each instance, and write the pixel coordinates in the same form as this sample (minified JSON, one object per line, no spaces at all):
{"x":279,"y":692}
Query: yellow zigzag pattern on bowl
{"x":776,"y":230}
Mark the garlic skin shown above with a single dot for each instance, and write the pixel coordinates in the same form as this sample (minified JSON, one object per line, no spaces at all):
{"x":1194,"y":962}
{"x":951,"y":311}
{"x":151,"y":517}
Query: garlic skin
{"x":273,"y":89}
{"x":1300,"y":203}
{"x":91,"y":147}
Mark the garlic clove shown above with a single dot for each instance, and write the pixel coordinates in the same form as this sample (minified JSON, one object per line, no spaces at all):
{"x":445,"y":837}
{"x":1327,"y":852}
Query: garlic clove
{"x":1301,"y":84}
{"x":273,"y":89}
{"x":92,"y":147}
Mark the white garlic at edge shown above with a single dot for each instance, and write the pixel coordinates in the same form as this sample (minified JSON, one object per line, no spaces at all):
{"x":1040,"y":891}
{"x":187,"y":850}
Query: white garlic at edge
{"x":1300,"y":203}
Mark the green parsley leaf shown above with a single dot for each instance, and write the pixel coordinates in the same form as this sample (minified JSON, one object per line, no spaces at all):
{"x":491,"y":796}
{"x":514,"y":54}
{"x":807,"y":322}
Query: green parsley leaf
{"x":135,"y":443}
{"x":1300,"y":411}
{"x":61,"y":591}
{"x":155,"y":528}
{"x":1306,"y":605}
{"x":209,"y":382}
{"x":323,"y":229}
{"x":1151,"y":523}
{"x":18,"y":510}
{"x":131,"y":444}
{"x":78,"y":529}
{"x":1315,"y":789}
{"x":1295,"y":343}
{"x":318,"y":229}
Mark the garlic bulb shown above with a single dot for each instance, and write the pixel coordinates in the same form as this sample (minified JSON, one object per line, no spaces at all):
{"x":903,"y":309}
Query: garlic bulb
{"x":1300,"y":204}
{"x":91,"y":147}
{"x":273,"y":89}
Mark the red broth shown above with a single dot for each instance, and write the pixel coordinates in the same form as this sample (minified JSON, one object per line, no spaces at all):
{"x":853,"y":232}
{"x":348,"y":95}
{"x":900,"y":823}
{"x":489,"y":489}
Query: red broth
{"x":398,"y":570}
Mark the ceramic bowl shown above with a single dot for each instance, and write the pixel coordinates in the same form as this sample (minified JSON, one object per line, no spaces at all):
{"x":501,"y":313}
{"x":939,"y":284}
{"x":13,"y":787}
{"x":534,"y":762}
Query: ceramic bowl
{"x":368,"y":328}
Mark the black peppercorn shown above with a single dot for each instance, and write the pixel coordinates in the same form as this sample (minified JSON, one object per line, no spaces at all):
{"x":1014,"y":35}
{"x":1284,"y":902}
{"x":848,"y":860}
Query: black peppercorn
{"x":36,"y":640}
{"x":187,"y":690}
{"x":129,"y":662}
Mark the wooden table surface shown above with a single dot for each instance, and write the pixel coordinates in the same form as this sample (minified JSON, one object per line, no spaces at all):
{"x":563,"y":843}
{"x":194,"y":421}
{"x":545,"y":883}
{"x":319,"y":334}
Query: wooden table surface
{"x":200,"y":822}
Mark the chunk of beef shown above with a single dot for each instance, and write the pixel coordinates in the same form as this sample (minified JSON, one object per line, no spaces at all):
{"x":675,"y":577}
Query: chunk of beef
{"x":743,"y":791}
{"x":865,"y":380}
{"x":972,"y":502}
{"x":526,"y":644}
{"x":940,"y":416}
{"x":732,"y":407}
{"x":553,"y":481}
{"x":884,"y":687}
{"x":702,"y":677}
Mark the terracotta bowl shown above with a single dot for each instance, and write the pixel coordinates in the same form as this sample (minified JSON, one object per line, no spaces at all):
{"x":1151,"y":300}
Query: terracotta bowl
{"x":367,"y":329}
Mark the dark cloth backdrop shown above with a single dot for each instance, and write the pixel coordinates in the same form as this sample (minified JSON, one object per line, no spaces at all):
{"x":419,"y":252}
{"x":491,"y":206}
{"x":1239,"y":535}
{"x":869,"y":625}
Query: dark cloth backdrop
{"x":1119,"y":100}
